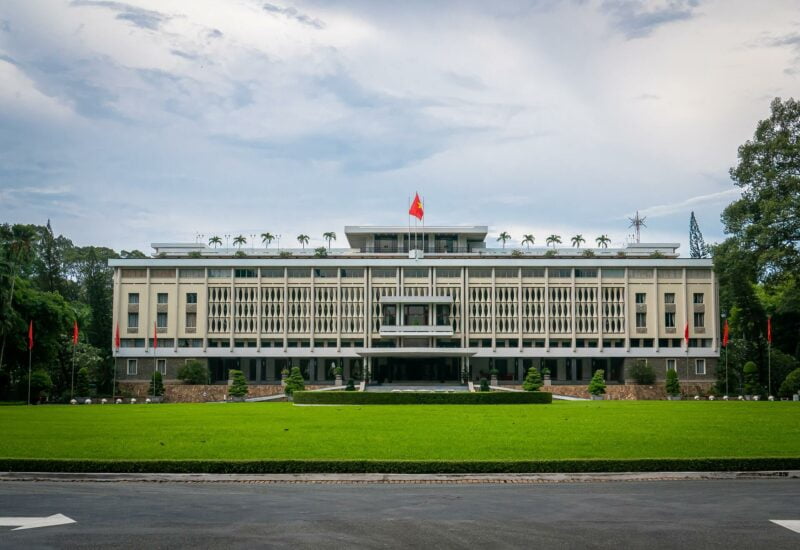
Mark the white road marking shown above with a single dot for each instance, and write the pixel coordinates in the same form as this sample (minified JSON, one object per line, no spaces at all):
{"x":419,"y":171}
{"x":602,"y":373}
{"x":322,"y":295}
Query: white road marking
{"x":33,"y":523}
{"x":792,"y":524}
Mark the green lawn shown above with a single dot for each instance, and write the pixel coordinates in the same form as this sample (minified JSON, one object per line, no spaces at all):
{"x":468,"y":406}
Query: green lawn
{"x":609,"y":429}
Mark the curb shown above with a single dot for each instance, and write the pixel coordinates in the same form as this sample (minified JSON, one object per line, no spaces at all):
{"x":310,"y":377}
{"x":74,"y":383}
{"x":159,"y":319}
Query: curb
{"x":398,"y":478}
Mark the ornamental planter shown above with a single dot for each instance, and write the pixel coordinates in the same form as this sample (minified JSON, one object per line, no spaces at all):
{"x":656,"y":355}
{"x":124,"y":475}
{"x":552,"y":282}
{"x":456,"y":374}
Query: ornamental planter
{"x":236,"y":399}
{"x":493,"y":381}
{"x":598,"y":397}
{"x":547,"y":381}
{"x":156,"y":399}
{"x":338,"y":381}
{"x":674,"y":397}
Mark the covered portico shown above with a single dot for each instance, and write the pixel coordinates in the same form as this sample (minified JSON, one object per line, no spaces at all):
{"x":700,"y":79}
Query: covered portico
{"x":417,"y":364}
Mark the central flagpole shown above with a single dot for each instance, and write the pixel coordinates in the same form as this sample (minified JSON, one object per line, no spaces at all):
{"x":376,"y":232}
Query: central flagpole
{"x":29,"y":374}
{"x":726,"y":370}
{"x":408,"y":244}
{"x":72,"y":386}
{"x":423,"y":224}
{"x":769,"y":368}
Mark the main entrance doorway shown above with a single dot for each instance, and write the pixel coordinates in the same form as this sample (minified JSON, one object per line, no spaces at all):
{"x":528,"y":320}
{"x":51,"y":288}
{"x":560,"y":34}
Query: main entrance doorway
{"x":411,"y":369}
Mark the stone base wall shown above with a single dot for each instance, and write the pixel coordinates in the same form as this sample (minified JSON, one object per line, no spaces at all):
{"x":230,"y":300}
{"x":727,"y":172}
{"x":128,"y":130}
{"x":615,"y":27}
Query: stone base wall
{"x":186,"y":393}
{"x":628,"y":391}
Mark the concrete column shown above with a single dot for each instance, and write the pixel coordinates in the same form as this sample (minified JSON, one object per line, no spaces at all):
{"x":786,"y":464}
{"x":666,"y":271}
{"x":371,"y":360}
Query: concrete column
{"x":547,"y":309}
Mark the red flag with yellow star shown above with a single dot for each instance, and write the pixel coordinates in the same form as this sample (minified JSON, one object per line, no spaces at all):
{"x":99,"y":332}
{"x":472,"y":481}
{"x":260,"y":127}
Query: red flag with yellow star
{"x":416,"y":208}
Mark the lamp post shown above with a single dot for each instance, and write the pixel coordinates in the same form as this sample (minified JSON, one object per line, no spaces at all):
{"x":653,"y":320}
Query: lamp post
{"x":726,"y":357}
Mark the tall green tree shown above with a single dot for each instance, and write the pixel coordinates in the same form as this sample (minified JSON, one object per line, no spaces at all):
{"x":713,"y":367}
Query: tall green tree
{"x":697,"y":246}
{"x":504,"y":236}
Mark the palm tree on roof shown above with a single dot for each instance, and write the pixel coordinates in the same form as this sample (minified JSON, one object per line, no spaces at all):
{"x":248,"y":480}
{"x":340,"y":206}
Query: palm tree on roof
{"x":303,"y":240}
{"x":267,"y":239}
{"x":329,"y":236}
{"x":215,"y":241}
{"x":504,"y":236}
{"x":577,"y":240}
{"x":528,"y":240}
{"x":554,"y":240}
{"x":602,"y":241}
{"x":239,"y":241}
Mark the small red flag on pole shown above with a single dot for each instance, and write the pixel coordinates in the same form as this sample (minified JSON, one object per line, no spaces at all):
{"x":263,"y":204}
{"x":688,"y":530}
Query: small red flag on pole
{"x":116,"y":338}
{"x":155,"y":336}
{"x":416,"y":209}
{"x":75,"y":333}
{"x":30,"y":336}
{"x":686,"y":332}
{"x":725,"y":335}
{"x":769,"y":329}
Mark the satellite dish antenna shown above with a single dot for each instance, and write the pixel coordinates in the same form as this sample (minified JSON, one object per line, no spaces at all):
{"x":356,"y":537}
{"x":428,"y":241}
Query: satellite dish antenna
{"x":637,"y":222}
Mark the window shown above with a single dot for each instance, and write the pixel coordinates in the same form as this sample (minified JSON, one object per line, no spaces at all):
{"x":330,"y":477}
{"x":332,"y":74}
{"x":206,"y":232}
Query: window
{"x":640,"y":273}
{"x":162,"y":366}
{"x":613,"y":273}
{"x":671,"y":364}
{"x":162,"y":273}
{"x":352,"y":273}
{"x":641,"y":320}
{"x":133,"y":320}
{"x":698,"y":298}
{"x":505,"y":273}
{"x":480,"y":273}
{"x":192,"y":273}
{"x":133,"y":298}
{"x":245,"y":273}
{"x":162,"y":298}
{"x":132,"y":367}
{"x":325,"y":273}
{"x":389,"y":315}
{"x":533,"y":273}
{"x":191,"y":297}
{"x":699,"y":320}
{"x":219,"y":273}
{"x":699,"y":366}
{"x":384,"y":272}
{"x":561,"y":273}
{"x":272,"y":272}
{"x":298,"y":272}
{"x":415,"y":273}
{"x":161,"y":320}
{"x":448,"y":273}
{"x":191,"y":320}
{"x":669,"y":319}
{"x":641,"y":297}
{"x":585,"y":273}
{"x":669,"y":298}
{"x":133,"y":273}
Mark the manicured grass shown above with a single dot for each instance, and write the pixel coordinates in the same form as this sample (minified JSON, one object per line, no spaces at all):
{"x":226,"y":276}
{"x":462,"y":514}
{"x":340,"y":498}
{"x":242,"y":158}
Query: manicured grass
{"x":269,"y":431}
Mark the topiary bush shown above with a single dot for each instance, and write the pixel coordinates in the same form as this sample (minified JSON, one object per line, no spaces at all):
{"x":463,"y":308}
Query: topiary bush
{"x":751,"y":385}
{"x":41,"y":384}
{"x":672,"y":385}
{"x":193,"y":372}
{"x":156,"y":385}
{"x":484,"y":384}
{"x":82,"y":383}
{"x":597,"y":385}
{"x":350,"y":385}
{"x":791,"y":385}
{"x":295,"y":382}
{"x":642,"y":373}
{"x":533,"y":380}
{"x":239,"y":384}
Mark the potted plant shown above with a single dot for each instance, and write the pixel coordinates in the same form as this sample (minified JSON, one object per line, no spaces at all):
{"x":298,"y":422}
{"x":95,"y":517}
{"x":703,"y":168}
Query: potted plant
{"x":156,"y":389}
{"x":337,"y":373}
{"x":673,"y":387}
{"x":493,"y":374}
{"x":284,"y":376}
{"x":294,"y":383}
{"x":597,"y":385}
{"x":238,"y":386}
{"x":546,"y":376}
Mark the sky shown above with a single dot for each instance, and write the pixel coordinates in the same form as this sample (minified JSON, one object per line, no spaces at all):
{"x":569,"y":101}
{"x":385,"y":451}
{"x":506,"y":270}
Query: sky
{"x":140,"y":121}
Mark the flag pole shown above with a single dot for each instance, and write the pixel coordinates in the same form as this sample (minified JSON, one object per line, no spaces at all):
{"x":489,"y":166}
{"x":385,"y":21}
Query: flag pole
{"x":726,"y":370}
{"x":29,"y":374}
{"x":423,"y":224}
{"x":155,"y":361}
{"x":769,"y":356}
{"x":408,"y":247}
{"x":72,"y":386}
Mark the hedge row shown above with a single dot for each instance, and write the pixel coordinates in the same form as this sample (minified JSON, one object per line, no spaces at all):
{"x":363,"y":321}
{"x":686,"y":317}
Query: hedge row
{"x":398,"y":466}
{"x":421,"y":398}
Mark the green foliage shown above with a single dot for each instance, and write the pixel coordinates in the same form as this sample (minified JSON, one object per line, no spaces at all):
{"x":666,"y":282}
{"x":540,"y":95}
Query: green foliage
{"x":533,"y":380}
{"x":550,"y":253}
{"x":588,"y":253}
{"x":240,"y":254}
{"x":284,"y":254}
{"x":295,"y":382}
{"x":597,"y":385}
{"x":351,"y":386}
{"x":422,"y":398}
{"x":41,"y":384}
{"x":516,"y":253}
{"x":194,"y":254}
{"x":672,"y":384}
{"x":321,"y":252}
{"x":642,"y":373}
{"x":194,"y":372}
{"x":751,"y":384}
{"x":156,"y":387}
{"x":791,"y":385}
{"x":657,"y":255}
{"x":82,"y":383}
{"x":697,"y":246}
{"x":238,"y":386}
{"x":484,"y":384}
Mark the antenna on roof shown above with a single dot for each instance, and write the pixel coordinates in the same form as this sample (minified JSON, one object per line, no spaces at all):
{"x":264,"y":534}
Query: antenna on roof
{"x":637,"y":223}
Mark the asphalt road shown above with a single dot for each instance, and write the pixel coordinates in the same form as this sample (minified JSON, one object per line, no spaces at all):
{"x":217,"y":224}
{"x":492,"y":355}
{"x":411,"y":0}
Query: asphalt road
{"x":663,"y":514}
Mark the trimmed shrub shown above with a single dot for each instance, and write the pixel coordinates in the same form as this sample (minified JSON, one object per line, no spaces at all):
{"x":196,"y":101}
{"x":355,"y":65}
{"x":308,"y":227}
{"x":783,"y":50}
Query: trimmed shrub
{"x":295,"y":382}
{"x":751,"y":385}
{"x":533,"y":380}
{"x":239,"y":385}
{"x":484,"y":384}
{"x":597,"y":385}
{"x":193,"y":372}
{"x":421,"y":398}
{"x":791,"y":385}
{"x":642,"y":373}
{"x":672,"y":385}
{"x":350,"y":385}
{"x":82,"y":383}
{"x":41,"y":384}
{"x":156,"y":384}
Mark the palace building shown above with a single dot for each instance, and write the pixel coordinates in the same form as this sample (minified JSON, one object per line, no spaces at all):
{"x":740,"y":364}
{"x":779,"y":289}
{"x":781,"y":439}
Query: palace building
{"x":436,"y":306}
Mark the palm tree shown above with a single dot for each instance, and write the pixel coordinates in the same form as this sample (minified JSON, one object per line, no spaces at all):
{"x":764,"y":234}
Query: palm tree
{"x":577,"y":240}
{"x":329,"y":236}
{"x":603,"y":241}
{"x":267,"y":238}
{"x":528,"y":240}
{"x":554,"y":240}
{"x":303,"y":240}
{"x":239,"y":241}
{"x":215,"y":241}
{"x":504,"y":236}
